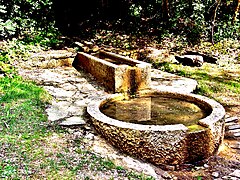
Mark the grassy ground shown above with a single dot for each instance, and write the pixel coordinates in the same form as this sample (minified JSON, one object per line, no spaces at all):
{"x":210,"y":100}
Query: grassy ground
{"x":33,"y":148}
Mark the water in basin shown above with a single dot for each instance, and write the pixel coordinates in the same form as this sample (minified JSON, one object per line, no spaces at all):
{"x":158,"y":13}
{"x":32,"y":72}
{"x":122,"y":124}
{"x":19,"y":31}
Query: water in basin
{"x":154,"y":110}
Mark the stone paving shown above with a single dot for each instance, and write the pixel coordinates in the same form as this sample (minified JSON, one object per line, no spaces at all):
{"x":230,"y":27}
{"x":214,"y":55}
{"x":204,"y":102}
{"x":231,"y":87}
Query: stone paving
{"x":232,"y":129}
{"x":72,"y":91}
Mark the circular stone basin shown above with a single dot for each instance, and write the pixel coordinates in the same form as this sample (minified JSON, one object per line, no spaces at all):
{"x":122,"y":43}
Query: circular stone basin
{"x":165,"y":128}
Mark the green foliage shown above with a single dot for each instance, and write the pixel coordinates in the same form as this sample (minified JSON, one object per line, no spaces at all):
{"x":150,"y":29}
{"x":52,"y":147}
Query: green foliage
{"x":31,"y":20}
{"x":135,"y":10}
{"x":20,"y":49}
{"x":34,"y":20}
{"x":225,"y":29}
{"x":190,"y":19}
{"x":7,"y":27}
{"x":44,"y":39}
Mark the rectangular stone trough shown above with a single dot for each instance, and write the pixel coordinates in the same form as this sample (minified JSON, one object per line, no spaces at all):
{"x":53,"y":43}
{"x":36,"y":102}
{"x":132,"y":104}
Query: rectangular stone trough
{"x":117,"y":73}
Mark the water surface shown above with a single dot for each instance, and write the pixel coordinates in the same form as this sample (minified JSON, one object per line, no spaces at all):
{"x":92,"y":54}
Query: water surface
{"x":154,"y":111}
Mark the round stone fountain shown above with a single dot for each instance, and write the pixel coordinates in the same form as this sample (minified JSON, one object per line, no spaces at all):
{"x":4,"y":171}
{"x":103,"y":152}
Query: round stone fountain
{"x":164,"y":128}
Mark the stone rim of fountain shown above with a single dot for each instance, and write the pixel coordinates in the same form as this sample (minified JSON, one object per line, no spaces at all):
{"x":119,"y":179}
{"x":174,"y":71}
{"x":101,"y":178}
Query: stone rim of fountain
{"x":163,"y":145}
{"x":217,"y":113}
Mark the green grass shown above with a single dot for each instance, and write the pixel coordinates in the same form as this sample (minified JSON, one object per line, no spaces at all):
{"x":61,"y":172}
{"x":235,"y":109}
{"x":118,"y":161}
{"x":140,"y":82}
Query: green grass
{"x":22,"y":108}
{"x":33,"y":148}
{"x":209,"y":83}
{"x":22,"y":123}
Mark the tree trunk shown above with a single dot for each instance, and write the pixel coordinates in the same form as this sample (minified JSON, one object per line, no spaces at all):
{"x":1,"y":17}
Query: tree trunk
{"x":236,"y":12}
{"x":165,"y":11}
{"x":190,"y":4}
{"x":217,"y":3}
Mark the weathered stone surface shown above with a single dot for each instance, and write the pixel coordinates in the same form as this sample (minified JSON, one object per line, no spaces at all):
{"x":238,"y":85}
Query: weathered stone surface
{"x":61,"y":104}
{"x":85,"y":87}
{"x":117,"y":73}
{"x":235,"y":146}
{"x":75,"y":120}
{"x":75,"y":110}
{"x":231,"y":119}
{"x":54,"y":113}
{"x":99,"y":146}
{"x":53,"y":54}
{"x":169,"y":82}
{"x":233,"y":133}
{"x":206,"y":58}
{"x":232,"y":126}
{"x":80,"y":103}
{"x":59,"y":92}
{"x":68,"y":87}
{"x":236,"y":173}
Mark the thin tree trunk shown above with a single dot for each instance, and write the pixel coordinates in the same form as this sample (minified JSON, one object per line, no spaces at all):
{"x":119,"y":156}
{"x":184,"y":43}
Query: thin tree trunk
{"x":165,"y":11}
{"x":190,"y":4}
{"x":214,"y":18}
{"x":236,"y":12}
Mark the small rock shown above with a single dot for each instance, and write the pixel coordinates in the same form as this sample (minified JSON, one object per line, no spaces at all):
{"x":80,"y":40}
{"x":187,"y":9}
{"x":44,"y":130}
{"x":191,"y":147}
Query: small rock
{"x":206,"y":166}
{"x":169,"y":168}
{"x":236,"y":173}
{"x":73,"y":121}
{"x":226,"y":177}
{"x":190,"y":60}
{"x":215,"y":174}
{"x":95,"y":48}
{"x":236,"y":146}
{"x":87,"y":128}
{"x":206,"y":58}
{"x":232,"y":133}
{"x":55,"y":114}
{"x":199,"y":168}
{"x":89,"y":44}
{"x":231,"y":119}
{"x":68,"y":87}
{"x":232,"y":126}
{"x":75,"y":110}
{"x":90,"y":136}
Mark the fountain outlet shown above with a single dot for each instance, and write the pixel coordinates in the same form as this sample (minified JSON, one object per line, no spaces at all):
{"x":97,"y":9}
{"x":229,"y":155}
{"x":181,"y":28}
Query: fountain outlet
{"x":161,"y":127}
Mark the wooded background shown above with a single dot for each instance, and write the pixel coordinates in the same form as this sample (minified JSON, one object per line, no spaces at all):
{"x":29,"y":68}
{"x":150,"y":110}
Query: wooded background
{"x":212,"y":20}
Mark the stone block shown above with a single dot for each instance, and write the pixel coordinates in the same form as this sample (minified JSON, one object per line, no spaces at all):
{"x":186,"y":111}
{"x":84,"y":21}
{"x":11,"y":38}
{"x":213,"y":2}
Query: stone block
{"x":117,"y":73}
